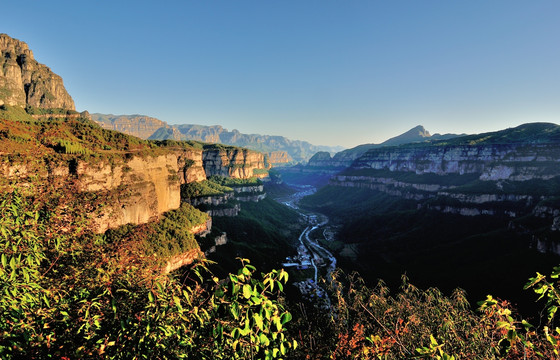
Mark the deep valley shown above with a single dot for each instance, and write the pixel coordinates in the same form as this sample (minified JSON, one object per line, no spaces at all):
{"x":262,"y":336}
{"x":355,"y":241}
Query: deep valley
{"x":194,"y":242}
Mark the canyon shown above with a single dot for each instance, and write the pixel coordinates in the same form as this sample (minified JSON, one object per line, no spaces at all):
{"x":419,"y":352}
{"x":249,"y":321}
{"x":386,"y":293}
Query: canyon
{"x":506,"y":173}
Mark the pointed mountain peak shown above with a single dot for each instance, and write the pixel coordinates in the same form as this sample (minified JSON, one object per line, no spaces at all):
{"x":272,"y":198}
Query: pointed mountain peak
{"x":418,"y":130}
{"x":418,"y":133}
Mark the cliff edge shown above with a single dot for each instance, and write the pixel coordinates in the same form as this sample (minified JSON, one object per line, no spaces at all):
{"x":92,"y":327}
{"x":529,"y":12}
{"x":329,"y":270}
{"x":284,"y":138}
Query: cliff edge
{"x":24,"y":81}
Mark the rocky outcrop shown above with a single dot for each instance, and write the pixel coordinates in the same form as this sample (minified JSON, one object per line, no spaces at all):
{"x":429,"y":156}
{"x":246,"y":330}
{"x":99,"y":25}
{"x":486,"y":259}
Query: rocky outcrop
{"x":321,"y":159}
{"x":184,"y":259}
{"x":249,"y":193}
{"x":144,"y":188}
{"x":279,"y":158}
{"x":218,"y":241}
{"x":136,"y":125}
{"x":24,"y":81}
{"x":552,"y":212}
{"x":249,"y":189}
{"x":191,"y":167}
{"x":227,"y":211}
{"x":232,"y":162}
{"x":211,"y":200}
{"x":251,"y":197}
{"x":202,"y":229}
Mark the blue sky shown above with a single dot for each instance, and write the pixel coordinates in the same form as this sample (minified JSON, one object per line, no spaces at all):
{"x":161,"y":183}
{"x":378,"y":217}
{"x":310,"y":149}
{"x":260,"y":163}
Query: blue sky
{"x":329,"y":72}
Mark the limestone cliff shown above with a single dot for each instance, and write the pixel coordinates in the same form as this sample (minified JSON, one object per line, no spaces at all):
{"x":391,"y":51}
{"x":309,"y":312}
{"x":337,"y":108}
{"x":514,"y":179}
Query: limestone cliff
{"x":477,"y":175}
{"x":136,"y":125}
{"x":24,"y":81}
{"x":141,"y":188}
{"x":232,"y":162}
{"x":492,"y":162}
{"x":278,"y":158}
{"x":191,"y":166}
{"x":137,"y":190}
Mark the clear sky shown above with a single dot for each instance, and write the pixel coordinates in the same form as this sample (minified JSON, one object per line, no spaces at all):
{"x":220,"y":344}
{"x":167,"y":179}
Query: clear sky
{"x":325,"y":71}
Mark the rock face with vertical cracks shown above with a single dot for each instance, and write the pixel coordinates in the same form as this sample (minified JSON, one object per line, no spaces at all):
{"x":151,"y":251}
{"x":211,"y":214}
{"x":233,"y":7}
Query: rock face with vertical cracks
{"x":232,"y":162}
{"x":144,"y":188}
{"x":150,"y":186}
{"x":24,"y":81}
{"x":141,"y":188}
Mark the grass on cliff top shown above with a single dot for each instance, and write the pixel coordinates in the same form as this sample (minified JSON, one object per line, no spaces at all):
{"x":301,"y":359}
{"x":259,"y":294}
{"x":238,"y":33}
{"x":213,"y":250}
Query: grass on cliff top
{"x":531,"y":133}
{"x":55,"y":141}
{"x":231,"y":182}
{"x":203,"y":188}
{"x":25,"y":140}
{"x":215,"y":185}
{"x":411,"y":177}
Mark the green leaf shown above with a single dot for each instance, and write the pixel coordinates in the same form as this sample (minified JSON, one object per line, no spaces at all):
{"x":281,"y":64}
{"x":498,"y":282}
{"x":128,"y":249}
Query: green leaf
{"x":247,"y":291}
{"x":246,"y":329}
{"x":234,"y":309}
{"x":151,"y":296}
{"x":285,"y":317}
{"x":533,"y":281}
{"x":259,"y":321}
{"x":263,"y":339}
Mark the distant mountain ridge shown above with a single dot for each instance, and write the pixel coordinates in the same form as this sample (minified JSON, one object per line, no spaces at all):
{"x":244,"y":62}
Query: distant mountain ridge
{"x":279,"y":148}
{"x":137,"y":125}
{"x":345,"y":158}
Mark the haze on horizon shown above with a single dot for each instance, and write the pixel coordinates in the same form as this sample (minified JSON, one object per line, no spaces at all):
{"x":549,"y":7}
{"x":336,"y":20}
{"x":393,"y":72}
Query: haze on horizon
{"x":327,"y":72}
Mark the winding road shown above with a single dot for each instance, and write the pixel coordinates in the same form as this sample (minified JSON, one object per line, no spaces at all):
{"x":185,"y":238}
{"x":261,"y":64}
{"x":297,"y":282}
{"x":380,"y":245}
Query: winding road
{"x":310,"y":252}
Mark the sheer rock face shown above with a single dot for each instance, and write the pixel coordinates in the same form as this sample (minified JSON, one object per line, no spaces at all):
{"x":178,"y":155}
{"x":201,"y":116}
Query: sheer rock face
{"x":143,"y":188}
{"x":276,"y":158}
{"x":24,"y":81}
{"x":502,"y":173}
{"x":151,"y":187}
{"x":517,"y":162}
{"x":234,"y":163}
{"x":135,"y":125}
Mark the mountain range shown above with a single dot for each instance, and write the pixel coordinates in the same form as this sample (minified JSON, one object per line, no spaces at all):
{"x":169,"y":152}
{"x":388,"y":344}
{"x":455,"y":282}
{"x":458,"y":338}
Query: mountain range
{"x":345,"y":158}
{"x":280,"y":149}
